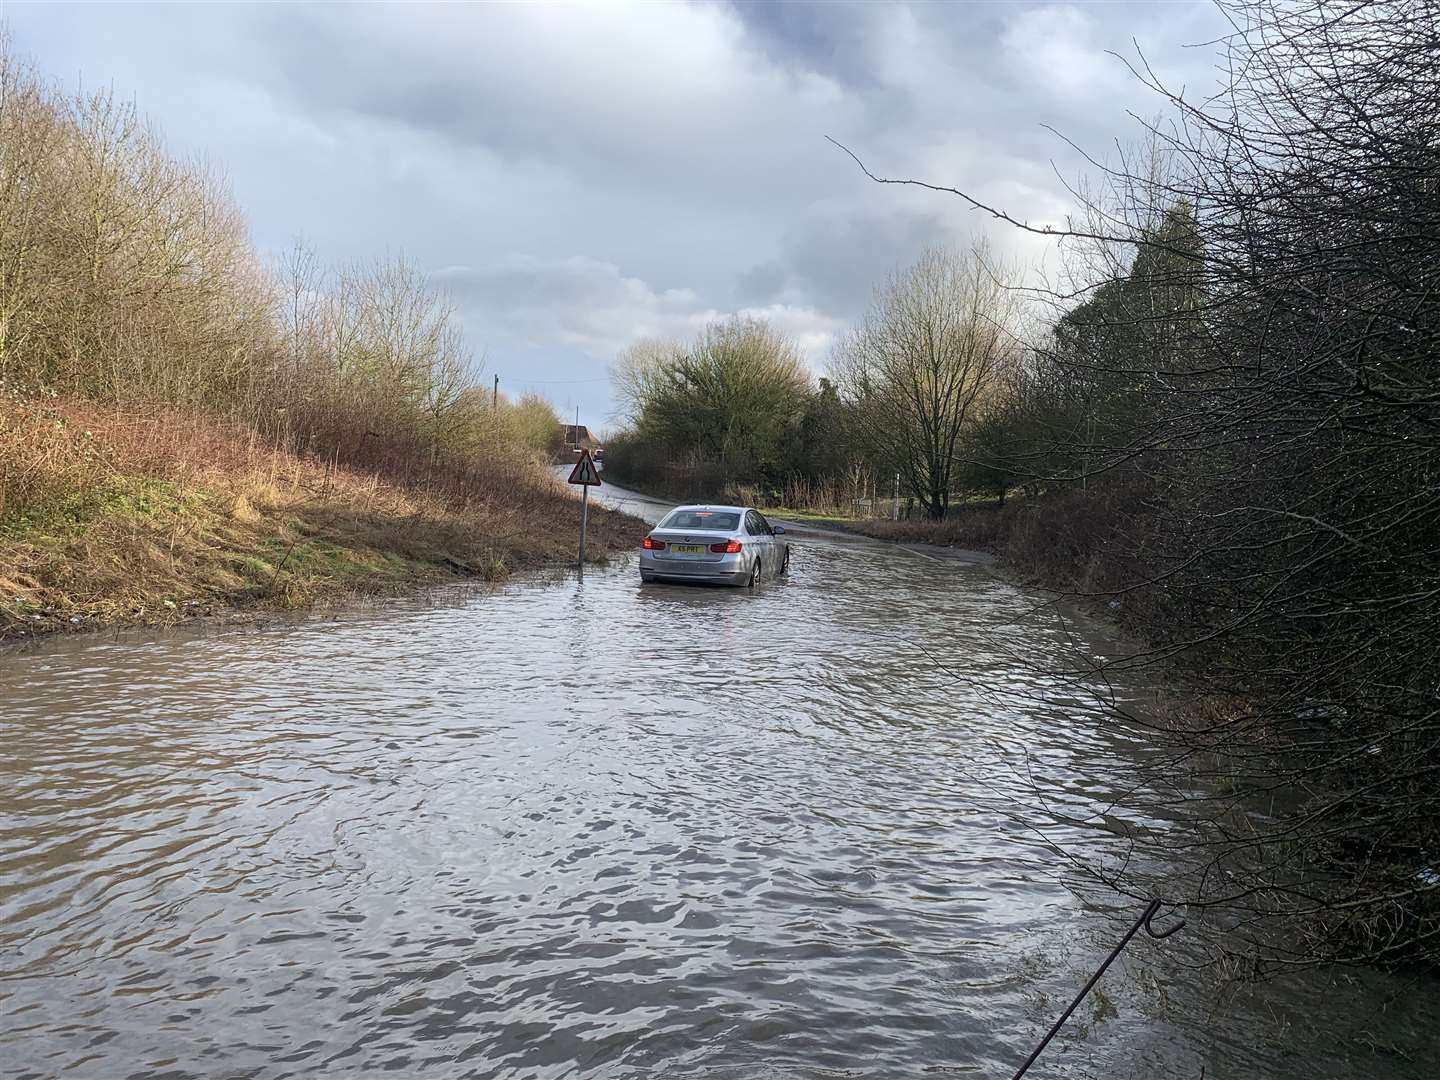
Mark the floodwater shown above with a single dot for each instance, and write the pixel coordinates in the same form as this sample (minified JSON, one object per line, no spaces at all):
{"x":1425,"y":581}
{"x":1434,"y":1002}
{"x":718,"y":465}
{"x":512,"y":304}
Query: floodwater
{"x":600,"y":830}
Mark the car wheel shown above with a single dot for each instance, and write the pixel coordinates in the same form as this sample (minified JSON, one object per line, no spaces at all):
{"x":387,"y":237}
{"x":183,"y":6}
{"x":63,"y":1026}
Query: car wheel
{"x":646,"y":579}
{"x":754,"y":574}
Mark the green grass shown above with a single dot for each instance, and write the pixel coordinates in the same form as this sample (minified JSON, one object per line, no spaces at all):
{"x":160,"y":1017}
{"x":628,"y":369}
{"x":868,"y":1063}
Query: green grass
{"x":255,"y":569}
{"x":324,"y":559}
{"x":123,"y":497}
{"x":806,"y":515}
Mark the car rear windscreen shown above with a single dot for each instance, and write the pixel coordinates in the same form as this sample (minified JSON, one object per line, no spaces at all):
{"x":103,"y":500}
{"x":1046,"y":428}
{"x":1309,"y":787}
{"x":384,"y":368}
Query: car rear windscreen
{"x":700,"y":519}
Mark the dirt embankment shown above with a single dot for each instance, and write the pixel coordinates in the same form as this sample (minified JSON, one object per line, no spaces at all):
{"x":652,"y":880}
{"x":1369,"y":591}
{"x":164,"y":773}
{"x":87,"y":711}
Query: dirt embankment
{"x":113,"y":517}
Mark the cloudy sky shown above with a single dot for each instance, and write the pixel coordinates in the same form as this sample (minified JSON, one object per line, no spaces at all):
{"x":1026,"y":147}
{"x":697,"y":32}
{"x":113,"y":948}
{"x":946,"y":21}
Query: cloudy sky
{"x":580,"y":176}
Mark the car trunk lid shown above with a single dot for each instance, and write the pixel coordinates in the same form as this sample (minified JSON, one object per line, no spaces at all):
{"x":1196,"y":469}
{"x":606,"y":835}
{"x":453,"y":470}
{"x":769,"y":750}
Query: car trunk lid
{"x":690,"y":538}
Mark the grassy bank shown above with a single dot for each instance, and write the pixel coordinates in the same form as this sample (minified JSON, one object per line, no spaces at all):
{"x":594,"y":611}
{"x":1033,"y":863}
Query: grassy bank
{"x":111,"y":517}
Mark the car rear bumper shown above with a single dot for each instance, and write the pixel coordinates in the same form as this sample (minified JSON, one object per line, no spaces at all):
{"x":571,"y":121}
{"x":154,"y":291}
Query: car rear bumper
{"x":730,"y":570}
{"x":697,"y":579}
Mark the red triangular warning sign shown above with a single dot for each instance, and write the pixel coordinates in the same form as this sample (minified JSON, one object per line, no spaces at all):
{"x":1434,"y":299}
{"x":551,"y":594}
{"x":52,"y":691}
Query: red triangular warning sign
{"x":585,"y":471}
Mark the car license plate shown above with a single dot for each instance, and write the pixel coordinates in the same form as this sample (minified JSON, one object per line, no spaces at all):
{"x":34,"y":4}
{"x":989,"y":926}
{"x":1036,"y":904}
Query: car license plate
{"x":688,"y":549}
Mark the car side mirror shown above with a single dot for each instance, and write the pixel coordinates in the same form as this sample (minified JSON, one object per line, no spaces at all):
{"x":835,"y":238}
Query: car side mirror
{"x":778,"y":529}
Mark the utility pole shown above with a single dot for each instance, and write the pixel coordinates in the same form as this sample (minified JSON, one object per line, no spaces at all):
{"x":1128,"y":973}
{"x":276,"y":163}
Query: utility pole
{"x":495,"y":395}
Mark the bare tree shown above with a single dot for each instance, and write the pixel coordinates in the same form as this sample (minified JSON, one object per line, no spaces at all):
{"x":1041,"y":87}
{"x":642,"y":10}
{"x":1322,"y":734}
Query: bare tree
{"x":302,"y":286}
{"x":923,"y":360}
{"x":636,"y":373}
{"x":28,"y":187}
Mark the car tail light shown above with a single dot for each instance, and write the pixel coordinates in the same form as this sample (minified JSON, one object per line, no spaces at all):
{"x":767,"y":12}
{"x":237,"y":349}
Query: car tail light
{"x":730,"y":547}
{"x":651,"y":544}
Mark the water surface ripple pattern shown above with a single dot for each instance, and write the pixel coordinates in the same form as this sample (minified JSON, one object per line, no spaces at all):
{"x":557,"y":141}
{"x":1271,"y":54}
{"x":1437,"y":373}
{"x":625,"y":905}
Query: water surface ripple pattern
{"x":595,"y":830}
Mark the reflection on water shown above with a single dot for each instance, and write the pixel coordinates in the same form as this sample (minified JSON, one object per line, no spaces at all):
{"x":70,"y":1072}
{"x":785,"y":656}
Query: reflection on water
{"x":597,"y":830}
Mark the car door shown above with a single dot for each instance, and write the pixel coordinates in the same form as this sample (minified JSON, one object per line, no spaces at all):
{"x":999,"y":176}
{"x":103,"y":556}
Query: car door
{"x":777,"y":545}
{"x":760,"y":538}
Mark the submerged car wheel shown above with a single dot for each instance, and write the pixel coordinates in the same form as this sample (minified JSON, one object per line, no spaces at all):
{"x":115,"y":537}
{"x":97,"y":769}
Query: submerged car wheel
{"x":754,"y":574}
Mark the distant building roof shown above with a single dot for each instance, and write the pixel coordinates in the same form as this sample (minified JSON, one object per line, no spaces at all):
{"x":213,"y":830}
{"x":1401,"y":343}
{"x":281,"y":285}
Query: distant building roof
{"x":578,"y":435}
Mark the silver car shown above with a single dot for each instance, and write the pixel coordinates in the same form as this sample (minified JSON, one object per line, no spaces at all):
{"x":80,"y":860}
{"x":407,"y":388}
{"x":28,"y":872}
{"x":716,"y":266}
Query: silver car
{"x":724,"y":545}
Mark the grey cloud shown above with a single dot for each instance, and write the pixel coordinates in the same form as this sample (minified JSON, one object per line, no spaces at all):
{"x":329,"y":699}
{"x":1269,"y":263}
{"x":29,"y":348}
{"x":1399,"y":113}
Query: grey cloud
{"x":698,"y":109}
{"x":761,"y":284}
{"x":834,"y":263}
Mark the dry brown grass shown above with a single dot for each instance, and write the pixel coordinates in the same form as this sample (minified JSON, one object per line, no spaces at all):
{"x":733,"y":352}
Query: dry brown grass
{"x":141,"y":516}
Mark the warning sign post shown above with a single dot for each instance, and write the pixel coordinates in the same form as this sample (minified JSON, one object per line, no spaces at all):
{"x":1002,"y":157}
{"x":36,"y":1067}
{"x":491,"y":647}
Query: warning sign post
{"x":587,"y":476}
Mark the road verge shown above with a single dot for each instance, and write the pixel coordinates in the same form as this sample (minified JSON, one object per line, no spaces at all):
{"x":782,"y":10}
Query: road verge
{"x":111,"y":517}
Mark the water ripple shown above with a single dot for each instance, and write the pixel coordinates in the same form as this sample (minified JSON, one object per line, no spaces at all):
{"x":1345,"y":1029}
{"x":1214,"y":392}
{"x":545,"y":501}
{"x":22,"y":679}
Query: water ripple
{"x":595,"y":830}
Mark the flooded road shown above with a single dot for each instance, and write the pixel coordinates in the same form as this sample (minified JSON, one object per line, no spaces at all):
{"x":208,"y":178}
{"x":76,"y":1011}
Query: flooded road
{"x":601,"y":830}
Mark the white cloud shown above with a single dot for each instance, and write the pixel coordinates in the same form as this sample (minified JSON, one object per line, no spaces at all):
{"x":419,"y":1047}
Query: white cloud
{"x":1055,"y":48}
{"x":526,"y":302}
{"x":814,"y":332}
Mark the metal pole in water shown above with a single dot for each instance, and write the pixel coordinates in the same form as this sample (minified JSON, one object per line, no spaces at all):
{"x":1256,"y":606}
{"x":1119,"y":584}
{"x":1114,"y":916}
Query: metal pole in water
{"x":1146,"y":920}
{"x":584,"y":516}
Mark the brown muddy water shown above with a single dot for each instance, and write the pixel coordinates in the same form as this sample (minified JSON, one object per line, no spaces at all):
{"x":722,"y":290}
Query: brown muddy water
{"x":600,"y":830}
